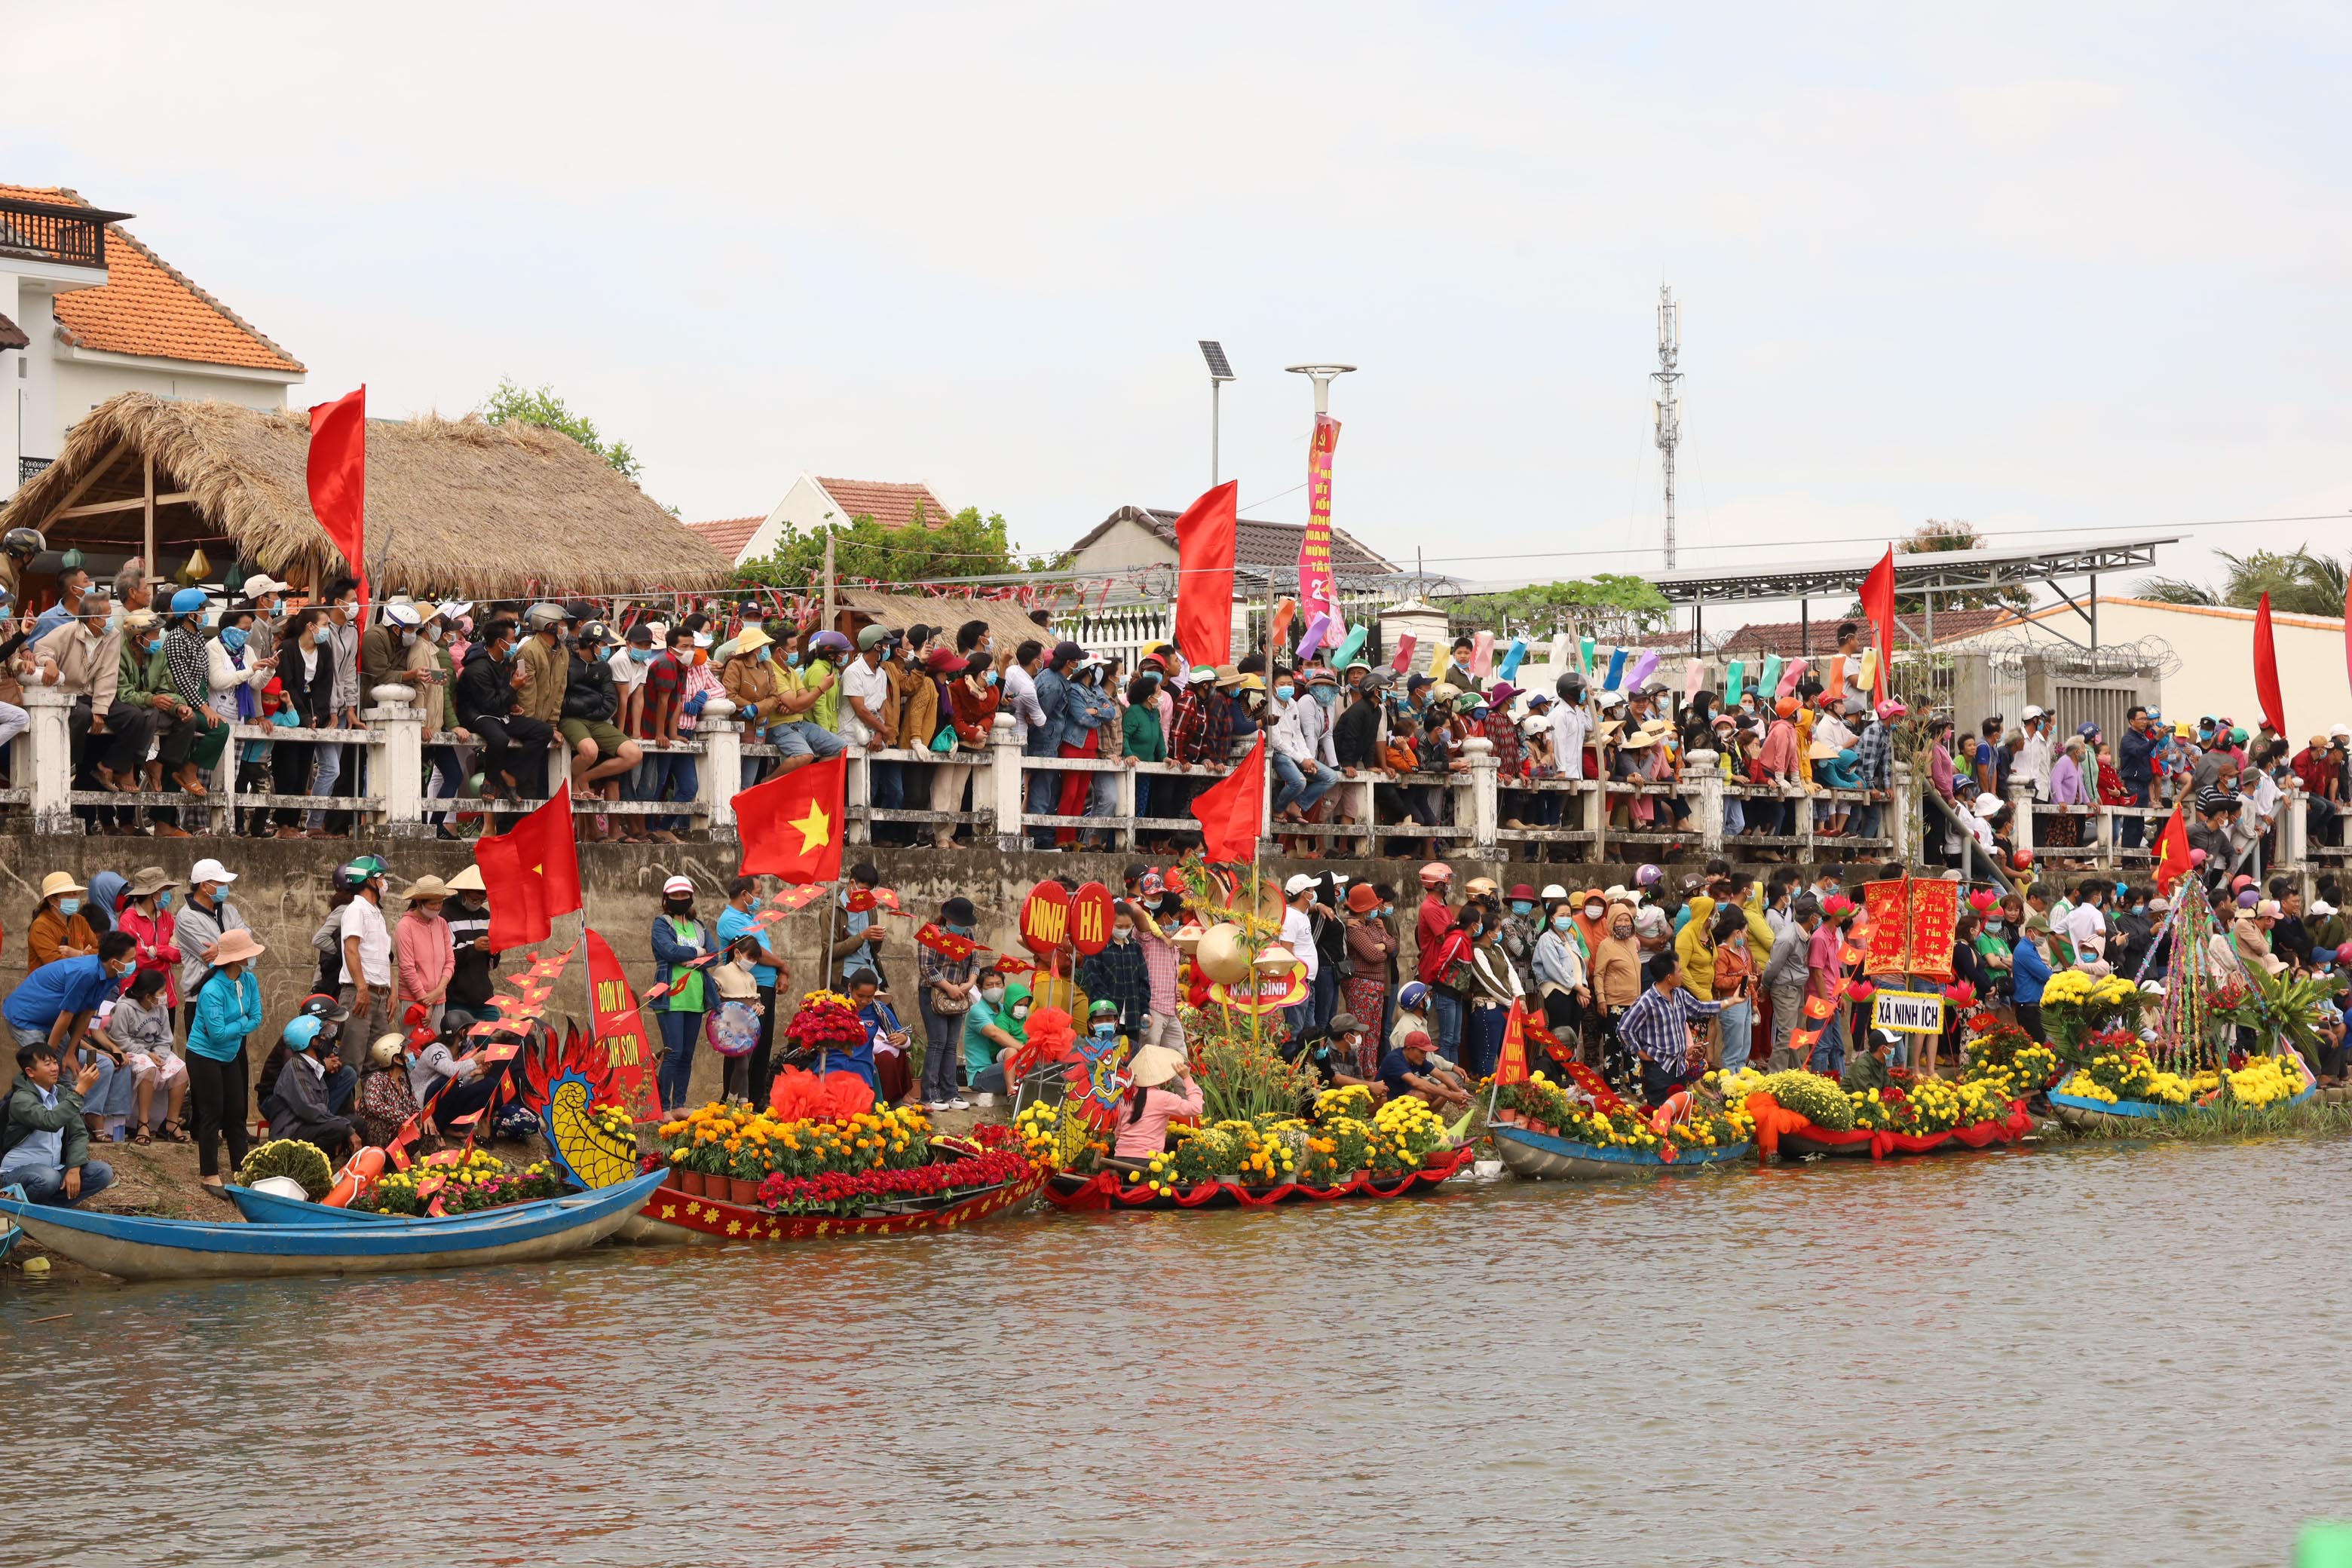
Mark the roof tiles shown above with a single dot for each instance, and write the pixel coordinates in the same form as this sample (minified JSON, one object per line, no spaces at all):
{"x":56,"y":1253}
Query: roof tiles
{"x":148,"y":306}
{"x":729,"y":535}
{"x":892,"y":506}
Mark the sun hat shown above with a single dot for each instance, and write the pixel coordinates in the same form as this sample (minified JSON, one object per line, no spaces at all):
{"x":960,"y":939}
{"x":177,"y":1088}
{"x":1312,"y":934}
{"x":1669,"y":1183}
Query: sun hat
{"x":147,"y":880}
{"x":1363,"y":898}
{"x":57,"y":882}
{"x":1153,"y":1065}
{"x":425,"y":887}
{"x":678,"y":885}
{"x":1521,"y":890}
{"x":233,"y":946}
{"x":752,"y":638}
{"x":262,"y":583}
{"x":468,"y":880}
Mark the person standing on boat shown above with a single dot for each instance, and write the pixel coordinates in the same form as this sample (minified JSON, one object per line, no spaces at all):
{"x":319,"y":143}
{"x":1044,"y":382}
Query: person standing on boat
{"x":678,"y":942}
{"x":1617,"y":985}
{"x":1658,"y":1028}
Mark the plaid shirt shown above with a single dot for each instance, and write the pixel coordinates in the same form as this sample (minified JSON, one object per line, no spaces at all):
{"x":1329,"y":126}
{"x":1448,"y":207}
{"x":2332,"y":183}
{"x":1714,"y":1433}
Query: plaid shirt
{"x":1658,"y":1024}
{"x":1118,"y":975}
{"x":1506,"y":737}
{"x":1203,"y":733}
{"x":1875,"y":756}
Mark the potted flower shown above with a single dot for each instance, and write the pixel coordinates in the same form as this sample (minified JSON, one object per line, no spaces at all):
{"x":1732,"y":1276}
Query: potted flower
{"x":747,"y":1167}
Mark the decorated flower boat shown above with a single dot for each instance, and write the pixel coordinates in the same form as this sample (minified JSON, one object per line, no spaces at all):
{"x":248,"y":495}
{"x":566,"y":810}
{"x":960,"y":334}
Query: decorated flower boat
{"x":1341,"y":1150}
{"x":2123,"y":1091}
{"x":1544,"y":1134}
{"x":1799,"y":1113}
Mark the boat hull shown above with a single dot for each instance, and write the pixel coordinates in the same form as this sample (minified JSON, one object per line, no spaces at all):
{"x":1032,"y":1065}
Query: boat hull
{"x":134,"y":1247}
{"x":2084,"y":1114}
{"x":1541,"y":1157}
{"x":670,"y":1217}
{"x":1103,"y":1190}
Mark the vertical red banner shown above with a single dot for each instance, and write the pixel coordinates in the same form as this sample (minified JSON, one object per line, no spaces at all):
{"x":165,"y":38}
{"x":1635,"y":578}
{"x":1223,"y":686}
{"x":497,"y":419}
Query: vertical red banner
{"x":1318,"y":593}
{"x":620,"y":1028}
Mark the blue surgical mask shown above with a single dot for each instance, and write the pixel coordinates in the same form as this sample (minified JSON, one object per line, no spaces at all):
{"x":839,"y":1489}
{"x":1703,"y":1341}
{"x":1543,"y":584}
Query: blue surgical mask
{"x":1563,"y":923}
{"x":1105,"y":1031}
{"x":154,"y":645}
{"x":1285,"y":691}
{"x":321,"y":636}
{"x":1325,"y":695}
{"x":959,"y":930}
{"x":68,"y":906}
{"x":792,"y":658}
{"x":992,"y":677}
{"x":641,"y":655}
{"x":233,"y":639}
{"x":764,"y":654}
{"x":163,"y":900}
{"x":1521,"y":907}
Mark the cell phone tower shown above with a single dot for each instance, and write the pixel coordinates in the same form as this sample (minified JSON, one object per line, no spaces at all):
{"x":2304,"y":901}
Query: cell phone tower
{"x":1668,"y":409}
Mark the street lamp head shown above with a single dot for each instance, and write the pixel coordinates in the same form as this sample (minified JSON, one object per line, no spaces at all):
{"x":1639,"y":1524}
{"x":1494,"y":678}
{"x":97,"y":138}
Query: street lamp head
{"x":1214,"y":352}
{"x":1319,"y":372}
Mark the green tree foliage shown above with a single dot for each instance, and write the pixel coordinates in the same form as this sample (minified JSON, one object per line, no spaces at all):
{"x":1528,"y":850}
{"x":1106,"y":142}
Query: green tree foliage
{"x":539,"y":406}
{"x":1609,"y":601}
{"x":964,"y":545}
{"x":2298,"y":582}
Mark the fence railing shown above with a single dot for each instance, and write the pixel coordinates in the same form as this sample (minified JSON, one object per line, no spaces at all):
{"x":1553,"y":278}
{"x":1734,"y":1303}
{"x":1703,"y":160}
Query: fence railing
{"x":984,"y":793}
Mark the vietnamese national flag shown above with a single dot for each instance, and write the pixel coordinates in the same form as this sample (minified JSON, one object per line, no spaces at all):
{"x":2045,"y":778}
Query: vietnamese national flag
{"x":1204,"y":576}
{"x":338,"y":476}
{"x":1511,"y":1067}
{"x":531,"y":873}
{"x":1233,"y":810}
{"x":2266,"y":680}
{"x":1878,"y":603}
{"x":2172,"y":851}
{"x":792,"y":824}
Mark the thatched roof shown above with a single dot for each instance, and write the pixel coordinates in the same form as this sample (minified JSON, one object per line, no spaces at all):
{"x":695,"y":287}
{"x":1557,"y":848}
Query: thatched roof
{"x":457,"y":505}
{"x":1008,"y":622}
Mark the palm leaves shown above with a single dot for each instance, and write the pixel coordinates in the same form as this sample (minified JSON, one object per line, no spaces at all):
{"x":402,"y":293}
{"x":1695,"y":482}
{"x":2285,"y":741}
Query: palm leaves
{"x":2298,"y":582}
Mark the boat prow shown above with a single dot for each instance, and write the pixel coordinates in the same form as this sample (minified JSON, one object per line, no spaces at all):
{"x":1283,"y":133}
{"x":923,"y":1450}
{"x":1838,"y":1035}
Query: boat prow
{"x":1540,"y":1156}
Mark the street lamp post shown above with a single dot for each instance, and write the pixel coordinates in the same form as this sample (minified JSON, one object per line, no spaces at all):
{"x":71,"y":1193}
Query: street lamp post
{"x":1220,"y":373}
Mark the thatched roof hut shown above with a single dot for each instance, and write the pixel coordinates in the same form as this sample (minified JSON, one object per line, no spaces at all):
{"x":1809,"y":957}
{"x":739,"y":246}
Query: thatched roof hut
{"x":1008,"y":624}
{"x":453,"y":505}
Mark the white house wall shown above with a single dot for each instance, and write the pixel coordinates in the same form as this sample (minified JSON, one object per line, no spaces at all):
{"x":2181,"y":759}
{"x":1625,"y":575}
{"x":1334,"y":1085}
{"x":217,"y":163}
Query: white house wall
{"x":1128,"y":544}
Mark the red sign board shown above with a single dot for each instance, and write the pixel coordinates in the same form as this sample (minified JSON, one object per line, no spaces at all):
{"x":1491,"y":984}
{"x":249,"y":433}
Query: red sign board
{"x":1091,"y":919}
{"x":1046,"y":918}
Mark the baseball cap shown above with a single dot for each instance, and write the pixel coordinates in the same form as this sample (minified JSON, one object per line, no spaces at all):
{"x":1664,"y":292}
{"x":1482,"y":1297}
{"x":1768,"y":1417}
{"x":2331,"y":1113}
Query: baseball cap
{"x":210,"y":870}
{"x":1299,"y":883}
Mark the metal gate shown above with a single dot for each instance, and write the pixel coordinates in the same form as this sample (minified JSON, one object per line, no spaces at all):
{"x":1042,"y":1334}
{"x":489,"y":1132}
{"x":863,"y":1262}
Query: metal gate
{"x":2102,"y":705}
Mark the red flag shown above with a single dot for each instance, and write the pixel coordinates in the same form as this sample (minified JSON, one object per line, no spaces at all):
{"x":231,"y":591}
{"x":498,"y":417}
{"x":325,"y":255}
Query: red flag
{"x":1511,"y":1067}
{"x":338,"y":476}
{"x":1233,"y":810}
{"x":2172,"y":851}
{"x":1404,"y":660}
{"x":1878,"y":603}
{"x":1204,"y":580}
{"x":618,"y":1028}
{"x":791,"y":826}
{"x":531,"y":873}
{"x":2348,"y":632}
{"x":2266,"y":682}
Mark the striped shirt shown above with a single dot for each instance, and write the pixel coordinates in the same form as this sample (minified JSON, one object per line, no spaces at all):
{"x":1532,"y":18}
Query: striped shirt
{"x":1658,"y":1025}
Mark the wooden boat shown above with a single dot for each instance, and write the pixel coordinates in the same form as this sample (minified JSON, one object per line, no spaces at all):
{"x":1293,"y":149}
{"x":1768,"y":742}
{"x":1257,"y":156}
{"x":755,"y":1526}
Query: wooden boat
{"x":1542,"y":1157}
{"x":2083,"y":1113}
{"x":670,"y":1218}
{"x":134,"y":1247}
{"x":267,"y":1208}
{"x":1109,"y":1189}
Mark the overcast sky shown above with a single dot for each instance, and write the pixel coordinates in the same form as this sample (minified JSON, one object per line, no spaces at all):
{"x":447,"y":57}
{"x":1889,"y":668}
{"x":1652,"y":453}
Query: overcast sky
{"x":2040,"y":275}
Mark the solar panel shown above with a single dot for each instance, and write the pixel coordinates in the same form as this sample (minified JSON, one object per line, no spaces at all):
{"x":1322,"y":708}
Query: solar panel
{"x":1214,"y":352}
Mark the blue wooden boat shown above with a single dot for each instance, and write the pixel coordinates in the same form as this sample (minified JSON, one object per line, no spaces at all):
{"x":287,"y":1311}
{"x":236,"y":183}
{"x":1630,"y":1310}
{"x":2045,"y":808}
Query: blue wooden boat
{"x":1540,"y":1156}
{"x":2082,"y":1112}
{"x":134,"y":1247}
{"x":267,"y":1208}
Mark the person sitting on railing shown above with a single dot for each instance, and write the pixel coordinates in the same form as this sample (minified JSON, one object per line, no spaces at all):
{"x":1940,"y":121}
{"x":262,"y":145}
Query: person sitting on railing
{"x":541,"y":675}
{"x":1142,"y":740}
{"x":429,"y":668}
{"x":1084,"y":710}
{"x":602,"y":755}
{"x":514,"y":744}
{"x":1200,"y":735}
{"x":679,"y":682}
{"x":921,"y":706}
{"x":145,"y":683}
{"x":869,"y":718}
{"x":1300,"y":752}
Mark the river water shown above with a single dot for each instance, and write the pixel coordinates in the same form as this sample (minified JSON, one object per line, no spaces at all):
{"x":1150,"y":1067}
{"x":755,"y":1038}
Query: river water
{"x":2087,"y":1354}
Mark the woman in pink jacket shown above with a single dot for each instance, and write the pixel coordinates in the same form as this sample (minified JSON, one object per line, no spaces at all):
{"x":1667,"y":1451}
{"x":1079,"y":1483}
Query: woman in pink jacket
{"x":146,"y":914}
{"x":421,"y":946}
{"x":1144,"y":1117}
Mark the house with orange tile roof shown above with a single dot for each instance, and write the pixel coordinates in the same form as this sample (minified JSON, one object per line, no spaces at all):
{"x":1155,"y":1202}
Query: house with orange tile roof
{"x":812,"y":500}
{"x":98,"y":314}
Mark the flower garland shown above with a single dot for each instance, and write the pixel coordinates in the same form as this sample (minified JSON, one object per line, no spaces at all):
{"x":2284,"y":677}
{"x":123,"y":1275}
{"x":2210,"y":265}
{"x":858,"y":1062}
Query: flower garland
{"x":731,"y":1139}
{"x":825,"y":1018}
{"x":479,"y":1181}
{"x":848,"y":1193}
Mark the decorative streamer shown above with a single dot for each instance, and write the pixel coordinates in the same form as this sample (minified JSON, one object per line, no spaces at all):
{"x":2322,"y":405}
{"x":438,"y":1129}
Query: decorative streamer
{"x":1644,"y":667}
{"x":1768,"y":683}
{"x":1482,"y":654}
{"x":1734,"y":682}
{"x":1317,"y":630}
{"x":1513,"y":656}
{"x":1357,"y":637}
{"x":1616,"y":669}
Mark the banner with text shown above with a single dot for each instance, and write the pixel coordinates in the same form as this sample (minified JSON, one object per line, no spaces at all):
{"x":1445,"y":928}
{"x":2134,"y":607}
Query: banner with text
{"x":1318,"y":591}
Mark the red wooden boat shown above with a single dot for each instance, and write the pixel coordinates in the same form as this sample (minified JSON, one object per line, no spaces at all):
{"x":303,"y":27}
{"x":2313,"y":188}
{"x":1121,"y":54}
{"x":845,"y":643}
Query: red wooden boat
{"x":1111,"y":1190}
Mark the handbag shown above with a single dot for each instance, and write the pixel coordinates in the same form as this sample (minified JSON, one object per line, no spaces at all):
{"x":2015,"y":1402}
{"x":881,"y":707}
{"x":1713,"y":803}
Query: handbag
{"x":945,"y":741}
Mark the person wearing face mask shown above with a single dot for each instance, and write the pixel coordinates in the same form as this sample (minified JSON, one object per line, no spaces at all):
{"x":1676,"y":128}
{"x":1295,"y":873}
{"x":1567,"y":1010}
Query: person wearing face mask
{"x":738,"y":921}
{"x":384,"y":647}
{"x":1115,"y":977}
{"x":468,"y":916}
{"x":1301,"y":752}
{"x":306,"y":680}
{"x":1085,"y":710}
{"x":542,"y":671}
{"x":145,"y":684}
{"x":678,"y":939}
{"x":490,"y":706}
{"x":1372,"y":948}
{"x":59,"y":929}
{"x":1562,"y":988}
{"x":1616,"y":981}
{"x":147,"y":915}
{"x":228,"y":1010}
{"x":949,"y":988}
{"x":2030,"y":964}
{"x":55,"y":1003}
{"x":972,"y":698}
{"x":997,"y":1025}
{"x":428,"y":669}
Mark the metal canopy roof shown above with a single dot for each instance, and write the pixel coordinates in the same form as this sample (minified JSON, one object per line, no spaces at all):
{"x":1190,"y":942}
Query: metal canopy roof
{"x":1932,"y":571}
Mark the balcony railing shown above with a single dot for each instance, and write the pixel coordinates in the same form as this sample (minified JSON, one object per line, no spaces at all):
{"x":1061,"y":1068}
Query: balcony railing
{"x":55,"y":231}
{"x":27,"y":467}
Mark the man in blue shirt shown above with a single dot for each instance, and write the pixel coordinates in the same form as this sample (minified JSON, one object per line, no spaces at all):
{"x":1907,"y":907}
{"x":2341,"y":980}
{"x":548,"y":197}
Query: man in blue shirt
{"x":54,"y":1003}
{"x":46,"y":1146}
{"x":1658,"y":1025}
{"x":862,"y":933}
{"x":1412,"y":1069}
